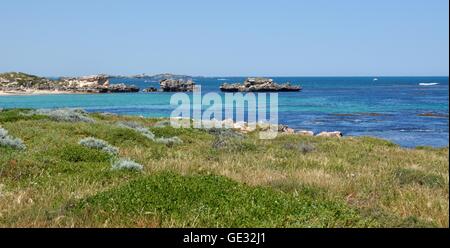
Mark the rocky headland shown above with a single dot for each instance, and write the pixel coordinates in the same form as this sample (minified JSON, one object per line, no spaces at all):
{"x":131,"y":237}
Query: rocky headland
{"x":15,"y":83}
{"x":259,"y":85}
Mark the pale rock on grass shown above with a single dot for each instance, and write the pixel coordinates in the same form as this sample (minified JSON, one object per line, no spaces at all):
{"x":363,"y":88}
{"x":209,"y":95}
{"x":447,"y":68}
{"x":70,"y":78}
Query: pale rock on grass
{"x":335,"y":134}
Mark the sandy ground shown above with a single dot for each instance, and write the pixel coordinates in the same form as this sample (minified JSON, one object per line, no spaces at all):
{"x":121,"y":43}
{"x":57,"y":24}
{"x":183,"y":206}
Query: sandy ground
{"x":34,"y":92}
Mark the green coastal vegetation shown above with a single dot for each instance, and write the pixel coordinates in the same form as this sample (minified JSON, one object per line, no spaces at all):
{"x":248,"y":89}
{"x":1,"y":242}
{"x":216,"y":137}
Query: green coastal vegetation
{"x":69,"y":168}
{"x":18,"y":79}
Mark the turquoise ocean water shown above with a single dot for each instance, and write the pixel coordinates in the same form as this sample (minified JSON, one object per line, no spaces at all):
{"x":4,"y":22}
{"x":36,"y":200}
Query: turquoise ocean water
{"x":386,"y":107}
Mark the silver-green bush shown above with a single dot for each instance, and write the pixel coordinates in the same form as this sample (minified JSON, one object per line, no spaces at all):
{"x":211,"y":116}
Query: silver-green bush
{"x":138,"y":128}
{"x":68,"y":115}
{"x":108,"y":114}
{"x":126,"y":164}
{"x":147,"y":133}
{"x":9,"y":141}
{"x":169,"y":141}
{"x":100,"y":145}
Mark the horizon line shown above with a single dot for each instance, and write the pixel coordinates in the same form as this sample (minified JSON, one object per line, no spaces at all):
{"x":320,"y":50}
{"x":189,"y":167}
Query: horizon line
{"x":231,"y":76}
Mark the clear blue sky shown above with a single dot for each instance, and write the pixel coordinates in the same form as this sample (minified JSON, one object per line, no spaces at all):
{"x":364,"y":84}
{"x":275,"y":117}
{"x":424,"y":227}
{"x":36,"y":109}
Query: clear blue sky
{"x":226,"y":37}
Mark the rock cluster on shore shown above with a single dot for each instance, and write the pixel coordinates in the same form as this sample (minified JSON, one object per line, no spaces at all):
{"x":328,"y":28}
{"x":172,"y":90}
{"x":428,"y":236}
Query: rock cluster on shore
{"x":245,"y":127}
{"x":335,"y":134}
{"x":282,"y":129}
{"x":259,"y":85}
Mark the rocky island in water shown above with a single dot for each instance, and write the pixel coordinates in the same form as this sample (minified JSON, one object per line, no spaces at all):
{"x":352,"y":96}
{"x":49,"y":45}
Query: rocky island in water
{"x":173,"y":85}
{"x":259,"y":85}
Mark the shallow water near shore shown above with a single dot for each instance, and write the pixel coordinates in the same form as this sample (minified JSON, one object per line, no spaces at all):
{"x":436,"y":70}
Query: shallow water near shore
{"x":399,"y":109}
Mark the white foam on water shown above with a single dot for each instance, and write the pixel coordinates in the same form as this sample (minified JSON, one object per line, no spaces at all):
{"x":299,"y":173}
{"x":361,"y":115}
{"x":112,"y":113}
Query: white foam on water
{"x":428,"y":84}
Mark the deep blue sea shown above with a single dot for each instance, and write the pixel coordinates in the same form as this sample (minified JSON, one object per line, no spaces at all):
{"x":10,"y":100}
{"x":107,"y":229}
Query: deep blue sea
{"x":387,"y":108}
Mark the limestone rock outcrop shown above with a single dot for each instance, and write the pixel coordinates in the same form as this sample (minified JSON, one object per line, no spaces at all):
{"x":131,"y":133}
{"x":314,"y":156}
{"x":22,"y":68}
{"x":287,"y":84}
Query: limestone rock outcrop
{"x":150,"y":89}
{"x":259,"y":85}
{"x":21,"y":82}
{"x":335,"y":134}
{"x":177,"y":85}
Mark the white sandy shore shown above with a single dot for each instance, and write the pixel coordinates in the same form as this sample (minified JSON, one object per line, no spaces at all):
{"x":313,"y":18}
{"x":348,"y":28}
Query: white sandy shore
{"x":36,"y":92}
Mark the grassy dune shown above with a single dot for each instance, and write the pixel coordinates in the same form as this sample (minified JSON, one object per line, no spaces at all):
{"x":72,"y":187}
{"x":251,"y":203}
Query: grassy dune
{"x":213,"y":179}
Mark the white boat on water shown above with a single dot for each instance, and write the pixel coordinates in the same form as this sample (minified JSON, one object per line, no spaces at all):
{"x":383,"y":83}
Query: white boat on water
{"x":428,"y":84}
{"x":375,"y":79}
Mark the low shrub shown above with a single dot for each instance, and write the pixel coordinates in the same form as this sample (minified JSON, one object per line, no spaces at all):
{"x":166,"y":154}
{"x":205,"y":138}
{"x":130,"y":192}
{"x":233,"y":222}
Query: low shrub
{"x":303,"y":148}
{"x":12,"y":115}
{"x":306,"y":148}
{"x":225,"y":133}
{"x":9,"y":141}
{"x":107,"y":114}
{"x":67,"y":115}
{"x":163,"y":123}
{"x":219,"y":143}
{"x":77,"y":154}
{"x":172,"y":131}
{"x":99,"y":145}
{"x":138,"y":128}
{"x":233,"y":144}
{"x":213,"y":201}
{"x":226,"y":139}
{"x":377,"y":142}
{"x":149,"y":134}
{"x":126,"y":164}
{"x":169,"y":141}
{"x":125,"y":136}
{"x":412,"y":176}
